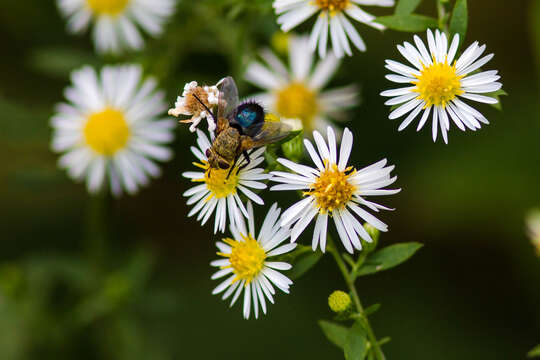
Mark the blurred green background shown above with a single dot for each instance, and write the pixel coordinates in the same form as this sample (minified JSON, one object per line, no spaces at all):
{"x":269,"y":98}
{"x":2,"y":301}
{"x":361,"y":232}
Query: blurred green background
{"x":137,"y":286}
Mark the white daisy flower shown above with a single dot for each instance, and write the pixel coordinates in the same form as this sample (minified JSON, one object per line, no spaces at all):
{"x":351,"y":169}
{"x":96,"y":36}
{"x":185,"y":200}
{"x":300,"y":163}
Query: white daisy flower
{"x":247,"y":262}
{"x":111,"y":128}
{"x":297,"y":93}
{"x":117,"y":22}
{"x":189,"y":103}
{"x":220,"y":189}
{"x":331,"y":15}
{"x":439,"y":83}
{"x":334,"y":189}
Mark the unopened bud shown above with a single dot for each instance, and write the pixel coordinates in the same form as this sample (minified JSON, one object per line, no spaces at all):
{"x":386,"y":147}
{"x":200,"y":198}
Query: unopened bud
{"x":374,"y":233}
{"x":339,"y":301}
{"x":280,"y":42}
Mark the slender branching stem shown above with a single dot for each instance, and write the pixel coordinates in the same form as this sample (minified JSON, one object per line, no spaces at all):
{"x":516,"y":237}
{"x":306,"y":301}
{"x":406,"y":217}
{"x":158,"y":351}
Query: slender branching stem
{"x":350,"y":278}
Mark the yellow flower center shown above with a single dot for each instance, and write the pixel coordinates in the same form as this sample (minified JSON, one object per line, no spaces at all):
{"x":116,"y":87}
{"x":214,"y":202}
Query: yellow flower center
{"x":219,"y":182}
{"x":246,"y":258}
{"x":332,"y":189}
{"x":438,"y":84}
{"x":106,"y":132}
{"x":332,"y":5}
{"x":297,"y":101}
{"x":107,"y":7}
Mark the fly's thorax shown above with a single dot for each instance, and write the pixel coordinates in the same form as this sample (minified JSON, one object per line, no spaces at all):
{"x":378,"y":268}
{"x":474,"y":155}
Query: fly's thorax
{"x":226,"y":143}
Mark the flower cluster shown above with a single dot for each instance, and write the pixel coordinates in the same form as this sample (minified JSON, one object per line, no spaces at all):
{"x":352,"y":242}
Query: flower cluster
{"x":332,"y":189}
{"x":111,"y":133}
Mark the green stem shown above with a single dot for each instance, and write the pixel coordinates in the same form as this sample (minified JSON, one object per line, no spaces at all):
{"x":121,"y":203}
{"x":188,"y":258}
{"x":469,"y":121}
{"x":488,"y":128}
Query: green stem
{"x":350,"y":279}
{"x":97,"y":228}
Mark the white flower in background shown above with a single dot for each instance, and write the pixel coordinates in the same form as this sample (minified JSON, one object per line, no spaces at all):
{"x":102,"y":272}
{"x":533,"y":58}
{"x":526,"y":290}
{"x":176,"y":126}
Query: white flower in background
{"x":439,"y":83}
{"x":298,"y":94}
{"x":532,"y":221}
{"x":111,"y":128}
{"x":219,"y":189}
{"x":116,"y":23}
{"x":331,"y":15}
{"x":190,"y":104}
{"x":247,"y":262}
{"x":334,"y":189}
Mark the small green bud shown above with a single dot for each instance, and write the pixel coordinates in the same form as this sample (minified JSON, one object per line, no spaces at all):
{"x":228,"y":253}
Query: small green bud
{"x":339,"y":301}
{"x":280,"y":42}
{"x":374,"y":233}
{"x":294,"y":149}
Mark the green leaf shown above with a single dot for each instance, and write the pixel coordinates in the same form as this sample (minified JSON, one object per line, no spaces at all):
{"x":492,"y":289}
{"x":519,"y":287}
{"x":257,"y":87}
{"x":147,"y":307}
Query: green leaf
{"x":406,"y":7}
{"x":535,"y":352}
{"x":410,"y":22}
{"x":372,"y":309}
{"x":356,"y":345}
{"x":302,"y":259}
{"x":458,"y":22}
{"x":290,"y":136}
{"x":335,"y":333}
{"x":388,"y":257}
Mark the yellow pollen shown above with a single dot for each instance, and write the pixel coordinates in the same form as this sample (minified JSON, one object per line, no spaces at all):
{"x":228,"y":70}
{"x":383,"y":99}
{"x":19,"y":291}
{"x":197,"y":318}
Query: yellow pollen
{"x":332,"y":6}
{"x":217,"y":182}
{"x":438,"y":84}
{"x":246,"y":258}
{"x":297,"y":101}
{"x":106,"y":132}
{"x":107,"y":7}
{"x":332,"y":189}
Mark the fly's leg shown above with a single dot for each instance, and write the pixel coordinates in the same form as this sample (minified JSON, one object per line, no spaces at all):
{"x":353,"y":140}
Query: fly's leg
{"x":232,"y":167}
{"x":248,"y":160}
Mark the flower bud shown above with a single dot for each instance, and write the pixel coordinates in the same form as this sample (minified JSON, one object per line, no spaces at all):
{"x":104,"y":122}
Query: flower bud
{"x":280,"y":42}
{"x":374,"y":233}
{"x":339,"y":301}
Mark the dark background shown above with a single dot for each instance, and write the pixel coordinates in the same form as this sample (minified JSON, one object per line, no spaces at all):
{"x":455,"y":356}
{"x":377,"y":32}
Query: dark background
{"x":143,"y":292}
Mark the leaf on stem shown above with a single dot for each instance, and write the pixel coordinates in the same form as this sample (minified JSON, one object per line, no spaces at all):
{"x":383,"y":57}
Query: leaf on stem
{"x":406,"y":7}
{"x":356,"y":344}
{"x":388,"y":257}
{"x":335,"y":333}
{"x":458,"y":22}
{"x":372,"y":309}
{"x":409,"y":22}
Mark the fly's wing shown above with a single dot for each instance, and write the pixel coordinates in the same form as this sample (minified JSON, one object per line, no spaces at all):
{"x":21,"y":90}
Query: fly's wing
{"x":271,"y":132}
{"x":228,"y":97}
